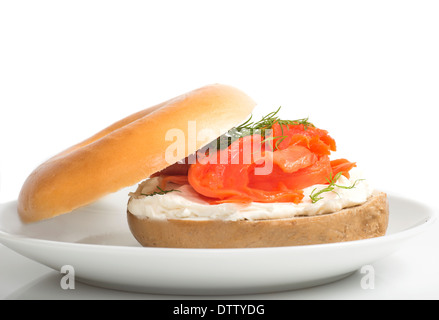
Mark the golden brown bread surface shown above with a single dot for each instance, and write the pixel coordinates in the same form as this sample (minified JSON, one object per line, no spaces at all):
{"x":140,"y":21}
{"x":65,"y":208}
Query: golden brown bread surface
{"x":127,"y":152}
{"x":360,"y":222}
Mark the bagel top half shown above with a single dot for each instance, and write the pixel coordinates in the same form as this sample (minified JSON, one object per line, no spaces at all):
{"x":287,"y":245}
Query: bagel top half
{"x":128,"y":151}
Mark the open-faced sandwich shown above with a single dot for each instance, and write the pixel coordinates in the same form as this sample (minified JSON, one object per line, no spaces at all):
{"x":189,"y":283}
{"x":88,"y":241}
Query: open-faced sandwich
{"x":211,"y":177}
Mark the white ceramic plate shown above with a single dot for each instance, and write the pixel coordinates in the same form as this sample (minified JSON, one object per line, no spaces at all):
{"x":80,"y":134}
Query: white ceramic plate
{"x":96,"y":241}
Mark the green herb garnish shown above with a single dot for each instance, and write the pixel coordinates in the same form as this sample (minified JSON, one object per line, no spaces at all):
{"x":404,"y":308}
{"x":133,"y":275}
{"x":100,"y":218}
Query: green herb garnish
{"x":268,"y":120}
{"x":161,"y":191}
{"x":315,"y":195}
{"x":250,"y":127}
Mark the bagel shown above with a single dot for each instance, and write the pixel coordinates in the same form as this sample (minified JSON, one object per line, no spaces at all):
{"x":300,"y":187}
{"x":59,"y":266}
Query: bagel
{"x":364,"y":221}
{"x":127,"y":152}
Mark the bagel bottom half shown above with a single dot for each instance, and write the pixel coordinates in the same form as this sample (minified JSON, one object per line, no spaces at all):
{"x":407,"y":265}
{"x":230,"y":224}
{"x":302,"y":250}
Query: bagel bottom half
{"x":364,"y":221}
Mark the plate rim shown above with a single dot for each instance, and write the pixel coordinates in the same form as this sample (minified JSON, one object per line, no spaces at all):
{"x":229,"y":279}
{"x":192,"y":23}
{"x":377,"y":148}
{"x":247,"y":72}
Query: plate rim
{"x":404,"y":234}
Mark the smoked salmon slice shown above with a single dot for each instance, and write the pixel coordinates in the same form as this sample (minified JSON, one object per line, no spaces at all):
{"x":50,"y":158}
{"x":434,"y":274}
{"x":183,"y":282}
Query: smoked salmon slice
{"x":296,"y":155}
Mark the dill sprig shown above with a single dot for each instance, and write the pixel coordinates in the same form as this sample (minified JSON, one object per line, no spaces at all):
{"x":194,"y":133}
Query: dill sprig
{"x":161,"y":191}
{"x":315,"y":195}
{"x":269,"y":120}
{"x":250,"y":127}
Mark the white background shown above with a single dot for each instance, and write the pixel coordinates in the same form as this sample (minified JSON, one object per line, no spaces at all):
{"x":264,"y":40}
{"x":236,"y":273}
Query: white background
{"x":367,"y":71}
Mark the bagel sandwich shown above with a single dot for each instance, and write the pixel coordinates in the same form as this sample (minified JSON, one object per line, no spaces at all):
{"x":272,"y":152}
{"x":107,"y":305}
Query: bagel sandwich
{"x":211,"y":177}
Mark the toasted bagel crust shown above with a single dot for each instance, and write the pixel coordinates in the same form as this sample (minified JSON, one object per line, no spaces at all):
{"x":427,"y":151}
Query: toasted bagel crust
{"x":360,"y":222}
{"x":128,"y":151}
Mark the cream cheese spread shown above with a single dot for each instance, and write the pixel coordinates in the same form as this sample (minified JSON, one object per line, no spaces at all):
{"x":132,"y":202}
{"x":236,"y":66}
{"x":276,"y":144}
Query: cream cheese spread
{"x":187,"y":203}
